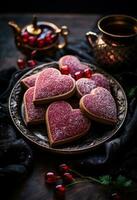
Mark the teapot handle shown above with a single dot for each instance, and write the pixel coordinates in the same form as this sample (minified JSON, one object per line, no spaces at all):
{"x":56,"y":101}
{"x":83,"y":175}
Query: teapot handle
{"x":64,"y":33}
{"x":91,"y":38}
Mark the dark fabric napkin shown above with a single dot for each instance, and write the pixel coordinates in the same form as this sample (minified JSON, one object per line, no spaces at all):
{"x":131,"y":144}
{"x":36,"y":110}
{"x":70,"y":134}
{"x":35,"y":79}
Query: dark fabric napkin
{"x":119,"y":155}
{"x":15,"y":154}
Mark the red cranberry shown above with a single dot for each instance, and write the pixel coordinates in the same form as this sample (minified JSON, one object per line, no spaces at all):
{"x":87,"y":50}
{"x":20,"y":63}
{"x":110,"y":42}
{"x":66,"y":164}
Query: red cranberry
{"x":68,"y":178}
{"x":48,"y":38}
{"x":32,"y":40}
{"x":78,"y":75}
{"x":25,"y":37}
{"x":33,"y":53}
{"x":116,"y":196}
{"x":64,"y":168}
{"x":50,"y":178}
{"x":40,"y":42}
{"x":87,"y":73}
{"x":60,"y":190}
{"x":64,"y":69}
{"x":21,"y":63}
{"x":31,"y":63}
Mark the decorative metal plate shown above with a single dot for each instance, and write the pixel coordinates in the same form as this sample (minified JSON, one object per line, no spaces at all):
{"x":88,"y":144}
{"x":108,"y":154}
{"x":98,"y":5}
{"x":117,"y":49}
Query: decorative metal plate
{"x":38,"y":135}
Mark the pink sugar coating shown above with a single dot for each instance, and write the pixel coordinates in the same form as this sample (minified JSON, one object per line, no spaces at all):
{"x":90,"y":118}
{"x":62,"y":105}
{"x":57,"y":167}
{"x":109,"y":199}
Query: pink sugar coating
{"x":101,"y":103}
{"x":44,"y":75}
{"x":65,"y":122}
{"x":69,"y":60}
{"x":84,"y":86}
{"x":73,"y":64}
{"x":101,"y":80}
{"x":34,"y":113}
{"x":29,"y":81}
{"x":54,"y":85}
{"x":48,"y":72}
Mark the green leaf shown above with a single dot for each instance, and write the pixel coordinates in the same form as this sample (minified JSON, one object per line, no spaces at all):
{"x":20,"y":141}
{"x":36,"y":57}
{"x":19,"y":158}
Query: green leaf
{"x":105,"y":180}
{"x":122,"y":181}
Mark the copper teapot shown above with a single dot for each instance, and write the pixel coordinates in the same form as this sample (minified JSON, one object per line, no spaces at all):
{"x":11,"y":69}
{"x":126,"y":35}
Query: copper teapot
{"x":115,"y":47}
{"x":40,"y":36}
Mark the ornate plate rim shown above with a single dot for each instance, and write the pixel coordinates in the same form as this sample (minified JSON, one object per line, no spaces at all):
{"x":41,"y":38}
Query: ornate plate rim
{"x":58,"y":150}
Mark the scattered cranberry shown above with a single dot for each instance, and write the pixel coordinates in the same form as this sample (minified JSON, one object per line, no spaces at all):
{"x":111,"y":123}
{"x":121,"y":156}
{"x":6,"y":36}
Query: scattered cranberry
{"x":21,"y":63}
{"x":60,"y":191}
{"x":33,"y":53}
{"x":68,"y":178}
{"x":87,"y":73}
{"x":116,"y":196}
{"x":78,"y":75}
{"x":50,"y":178}
{"x":31,"y":63}
{"x":64,"y":69}
{"x":64,"y":168}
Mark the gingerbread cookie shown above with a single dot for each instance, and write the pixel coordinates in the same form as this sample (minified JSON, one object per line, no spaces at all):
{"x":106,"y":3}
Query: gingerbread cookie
{"x":51,"y":85}
{"x":100,"y":106}
{"x":65,"y":124}
{"x":33,"y":114}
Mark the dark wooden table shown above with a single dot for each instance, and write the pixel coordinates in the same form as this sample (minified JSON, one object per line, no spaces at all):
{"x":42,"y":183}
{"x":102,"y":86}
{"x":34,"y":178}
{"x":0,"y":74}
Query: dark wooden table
{"x":33,"y":187}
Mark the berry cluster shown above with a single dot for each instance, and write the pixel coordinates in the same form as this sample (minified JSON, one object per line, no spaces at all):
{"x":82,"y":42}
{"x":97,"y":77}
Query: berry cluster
{"x":38,"y":41}
{"x":60,"y":181}
{"x":22,"y":63}
{"x":67,"y":177}
{"x":86,"y":73}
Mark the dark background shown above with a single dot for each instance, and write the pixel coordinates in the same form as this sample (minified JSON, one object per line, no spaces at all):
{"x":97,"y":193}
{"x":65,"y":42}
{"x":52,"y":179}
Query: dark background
{"x":70,"y":6}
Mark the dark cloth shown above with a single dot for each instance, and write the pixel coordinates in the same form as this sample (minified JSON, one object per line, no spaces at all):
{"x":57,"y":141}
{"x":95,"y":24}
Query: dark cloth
{"x":119,"y":155}
{"x":15,"y":154}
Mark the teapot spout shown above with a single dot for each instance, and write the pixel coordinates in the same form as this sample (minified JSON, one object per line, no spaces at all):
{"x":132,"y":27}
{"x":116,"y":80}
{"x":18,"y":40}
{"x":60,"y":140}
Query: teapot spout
{"x":15,"y":27}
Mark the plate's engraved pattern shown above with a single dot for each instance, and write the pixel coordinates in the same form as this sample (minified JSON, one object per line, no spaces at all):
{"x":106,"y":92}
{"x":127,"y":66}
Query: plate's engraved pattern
{"x":38,"y":135}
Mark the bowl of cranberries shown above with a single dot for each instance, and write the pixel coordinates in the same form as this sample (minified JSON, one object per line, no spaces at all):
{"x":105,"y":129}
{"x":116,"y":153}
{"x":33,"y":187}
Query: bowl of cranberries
{"x":39,"y":36}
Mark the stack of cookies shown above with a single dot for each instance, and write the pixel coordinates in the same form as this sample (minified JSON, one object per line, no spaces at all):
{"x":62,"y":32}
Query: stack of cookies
{"x":51,"y":94}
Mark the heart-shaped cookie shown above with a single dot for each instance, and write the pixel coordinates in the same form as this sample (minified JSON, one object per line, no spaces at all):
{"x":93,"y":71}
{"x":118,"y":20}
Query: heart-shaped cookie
{"x":73,"y":63}
{"x":33,"y":114}
{"x":51,"y":86}
{"x":100,"y":106}
{"x":100,"y":81}
{"x":65,"y":124}
{"x":29,"y":81}
{"x":84,"y":86}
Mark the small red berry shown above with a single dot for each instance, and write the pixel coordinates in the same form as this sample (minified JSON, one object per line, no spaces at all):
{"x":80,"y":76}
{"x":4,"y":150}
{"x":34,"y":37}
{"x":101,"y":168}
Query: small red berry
{"x":31,"y":63}
{"x":50,"y":178}
{"x":33,"y":53}
{"x":25,"y":37}
{"x":64,"y":168}
{"x":40,"y":42}
{"x":78,"y":75}
{"x":21,"y":63}
{"x":116,"y":196}
{"x":48,"y":38}
{"x":68,"y":178}
{"x":87,"y":73}
{"x":65,"y":70}
{"x":60,"y":190}
{"x":31,"y":40}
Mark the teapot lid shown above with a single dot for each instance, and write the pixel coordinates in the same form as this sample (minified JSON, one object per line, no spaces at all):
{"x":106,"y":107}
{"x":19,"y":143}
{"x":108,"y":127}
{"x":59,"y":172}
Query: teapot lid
{"x":33,"y":28}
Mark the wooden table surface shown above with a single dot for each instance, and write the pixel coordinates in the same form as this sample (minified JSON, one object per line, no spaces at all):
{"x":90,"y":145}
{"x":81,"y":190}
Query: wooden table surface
{"x":33,"y":187}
